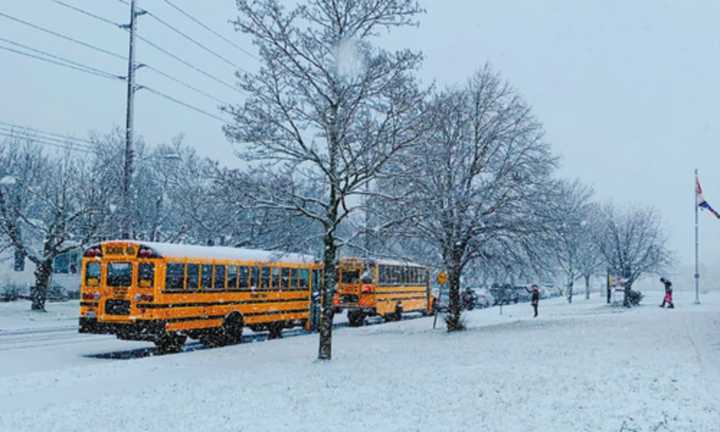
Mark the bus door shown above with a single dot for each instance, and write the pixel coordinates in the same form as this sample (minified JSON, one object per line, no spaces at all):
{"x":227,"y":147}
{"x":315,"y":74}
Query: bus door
{"x":118,"y":282}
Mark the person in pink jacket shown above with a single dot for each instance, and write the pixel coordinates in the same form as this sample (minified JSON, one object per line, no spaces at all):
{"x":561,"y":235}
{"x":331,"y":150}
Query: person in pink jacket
{"x":668,"y":294}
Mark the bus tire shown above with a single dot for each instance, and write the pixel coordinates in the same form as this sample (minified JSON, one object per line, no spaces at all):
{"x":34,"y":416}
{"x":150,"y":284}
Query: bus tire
{"x":233,"y":328}
{"x":398,"y":312}
{"x":170,"y":343}
{"x":275,"y":330}
{"x":355,"y":318}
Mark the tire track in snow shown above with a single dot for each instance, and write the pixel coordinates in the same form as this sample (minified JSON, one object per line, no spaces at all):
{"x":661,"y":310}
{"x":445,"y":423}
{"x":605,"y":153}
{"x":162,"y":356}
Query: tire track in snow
{"x":713,"y":375}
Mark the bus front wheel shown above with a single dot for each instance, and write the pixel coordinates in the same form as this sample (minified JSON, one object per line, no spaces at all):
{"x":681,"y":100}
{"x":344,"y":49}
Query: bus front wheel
{"x":275,"y":330}
{"x":233,"y":328}
{"x":170,"y":343}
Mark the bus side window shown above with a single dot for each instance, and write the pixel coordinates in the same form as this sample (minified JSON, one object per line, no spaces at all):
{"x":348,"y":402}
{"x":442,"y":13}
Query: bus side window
{"x":219,"y":280}
{"x":206,"y":276}
{"x":276,"y":278}
{"x":255,"y":277}
{"x":316,"y":280}
{"x":174,"y":277}
{"x":265,"y":278}
{"x":244,"y":277}
{"x":146,"y":275}
{"x":304,"y":278}
{"x":285,"y":279}
{"x":294,"y":283}
{"x":193,"y":278}
{"x":232,"y":277}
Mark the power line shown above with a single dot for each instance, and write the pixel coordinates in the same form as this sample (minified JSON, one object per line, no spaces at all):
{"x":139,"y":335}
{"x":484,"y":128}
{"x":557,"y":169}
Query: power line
{"x":77,"y":65}
{"x":33,"y":133}
{"x":86,"y":69}
{"x":65,"y":145}
{"x":208,"y":28}
{"x":154,"y":69}
{"x":185,"y":104}
{"x":84,"y":12}
{"x":69,"y":146}
{"x":181,"y":33}
{"x":184,"y":84}
{"x":51,"y":134}
{"x":62,"y":36}
{"x":186,"y":63}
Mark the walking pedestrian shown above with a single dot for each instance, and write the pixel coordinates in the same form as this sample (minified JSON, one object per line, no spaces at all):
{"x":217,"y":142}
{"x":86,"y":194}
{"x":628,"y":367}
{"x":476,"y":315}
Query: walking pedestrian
{"x":667,"y":299}
{"x":534,"y":298}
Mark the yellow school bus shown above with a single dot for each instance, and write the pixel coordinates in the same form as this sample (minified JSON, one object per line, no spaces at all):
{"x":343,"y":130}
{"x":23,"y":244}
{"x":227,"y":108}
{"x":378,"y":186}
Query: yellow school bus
{"x":165,"y":293}
{"x":389,"y":288}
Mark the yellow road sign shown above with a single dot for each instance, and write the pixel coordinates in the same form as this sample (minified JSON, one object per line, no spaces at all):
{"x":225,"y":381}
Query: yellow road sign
{"x":442,"y":278}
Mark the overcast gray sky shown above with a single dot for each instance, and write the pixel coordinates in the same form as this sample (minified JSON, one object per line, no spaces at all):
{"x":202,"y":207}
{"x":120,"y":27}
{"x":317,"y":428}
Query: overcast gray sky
{"x":627,"y":91}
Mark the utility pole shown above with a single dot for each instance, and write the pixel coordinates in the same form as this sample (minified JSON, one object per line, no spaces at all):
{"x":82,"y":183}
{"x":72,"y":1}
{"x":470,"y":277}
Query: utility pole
{"x":697,"y":240}
{"x":129,"y":114}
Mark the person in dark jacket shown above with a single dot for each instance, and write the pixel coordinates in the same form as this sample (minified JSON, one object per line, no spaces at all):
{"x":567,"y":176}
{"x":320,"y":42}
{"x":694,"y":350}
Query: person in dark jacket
{"x":668,"y":294}
{"x":534,"y":298}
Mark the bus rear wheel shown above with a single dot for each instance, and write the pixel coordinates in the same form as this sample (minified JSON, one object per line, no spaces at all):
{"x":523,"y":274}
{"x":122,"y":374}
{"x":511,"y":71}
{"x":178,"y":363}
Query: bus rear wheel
{"x":170,"y":343}
{"x":355,"y":318}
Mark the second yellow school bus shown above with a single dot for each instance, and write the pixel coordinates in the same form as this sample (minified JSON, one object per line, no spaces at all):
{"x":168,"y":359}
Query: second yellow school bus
{"x":389,"y":288}
{"x":165,"y":293}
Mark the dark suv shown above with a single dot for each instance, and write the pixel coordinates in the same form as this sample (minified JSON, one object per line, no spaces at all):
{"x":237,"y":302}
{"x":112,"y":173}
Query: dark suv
{"x":504,"y":294}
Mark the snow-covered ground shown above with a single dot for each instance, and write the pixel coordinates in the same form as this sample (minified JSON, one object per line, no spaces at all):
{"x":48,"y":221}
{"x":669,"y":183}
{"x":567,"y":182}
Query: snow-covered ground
{"x":580,"y":367}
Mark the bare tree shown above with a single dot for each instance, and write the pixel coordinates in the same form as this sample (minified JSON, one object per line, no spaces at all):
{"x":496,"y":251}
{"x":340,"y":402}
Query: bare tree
{"x":633,"y":243}
{"x":54,"y":210}
{"x":326,"y":108}
{"x":477,"y":185}
{"x":590,"y":259}
{"x":571,"y":239}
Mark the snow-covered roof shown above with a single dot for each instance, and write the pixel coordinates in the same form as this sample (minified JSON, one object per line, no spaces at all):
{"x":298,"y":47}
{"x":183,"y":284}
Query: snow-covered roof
{"x":171,"y":250}
{"x":384,"y":261}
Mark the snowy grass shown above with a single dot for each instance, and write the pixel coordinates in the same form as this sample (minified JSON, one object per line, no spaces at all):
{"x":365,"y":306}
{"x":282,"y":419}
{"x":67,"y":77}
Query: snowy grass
{"x":17,"y":316}
{"x":580,"y":367}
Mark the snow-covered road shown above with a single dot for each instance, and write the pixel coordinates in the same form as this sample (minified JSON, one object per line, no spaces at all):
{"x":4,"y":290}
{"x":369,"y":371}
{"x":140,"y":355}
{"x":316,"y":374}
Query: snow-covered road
{"x":580,"y":367}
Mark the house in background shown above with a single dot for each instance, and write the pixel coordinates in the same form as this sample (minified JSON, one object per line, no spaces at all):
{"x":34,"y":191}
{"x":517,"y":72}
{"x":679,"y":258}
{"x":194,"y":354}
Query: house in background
{"x":18,"y":275}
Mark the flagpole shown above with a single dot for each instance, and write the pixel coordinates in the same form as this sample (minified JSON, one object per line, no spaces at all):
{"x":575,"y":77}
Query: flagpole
{"x":697,"y":244}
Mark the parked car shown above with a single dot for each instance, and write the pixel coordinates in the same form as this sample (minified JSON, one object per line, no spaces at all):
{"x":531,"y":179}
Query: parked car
{"x":550,"y":291}
{"x":485,"y":299}
{"x":504,"y":294}
{"x":469,"y":299}
{"x":523,"y":293}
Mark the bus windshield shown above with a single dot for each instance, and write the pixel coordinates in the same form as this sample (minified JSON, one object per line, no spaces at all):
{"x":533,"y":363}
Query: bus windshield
{"x":350,"y":276}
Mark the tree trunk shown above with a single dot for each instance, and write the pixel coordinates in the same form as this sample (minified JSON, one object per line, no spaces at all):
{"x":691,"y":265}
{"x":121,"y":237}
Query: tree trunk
{"x":19,"y":262}
{"x":626,"y":292}
{"x":570,"y":291}
{"x":328,"y":287}
{"x":455,"y":307}
{"x":42,"y":283}
{"x":327,"y":291}
{"x":587,"y":287}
